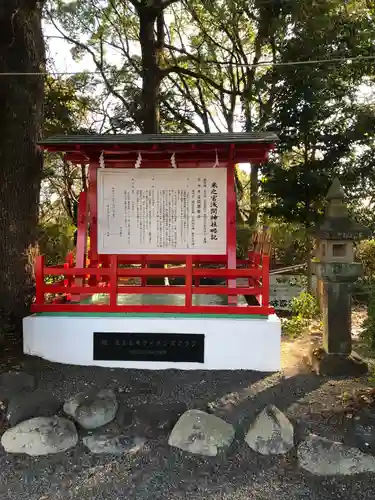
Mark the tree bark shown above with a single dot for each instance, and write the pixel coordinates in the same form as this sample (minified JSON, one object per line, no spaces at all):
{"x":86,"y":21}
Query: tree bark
{"x":151,"y":81}
{"x":308,"y":220}
{"x":21,"y":110}
{"x":309,"y":255}
{"x":151,"y":77}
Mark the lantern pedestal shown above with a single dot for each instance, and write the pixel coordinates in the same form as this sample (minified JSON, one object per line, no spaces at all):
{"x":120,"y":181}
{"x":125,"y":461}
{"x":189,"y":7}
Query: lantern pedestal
{"x":336,"y":305}
{"x":336,"y":357}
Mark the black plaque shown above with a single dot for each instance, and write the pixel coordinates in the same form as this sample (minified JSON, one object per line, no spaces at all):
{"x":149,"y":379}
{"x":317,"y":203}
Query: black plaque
{"x":176,"y":347}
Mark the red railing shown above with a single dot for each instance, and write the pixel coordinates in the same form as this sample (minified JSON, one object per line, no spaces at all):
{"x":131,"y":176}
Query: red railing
{"x":105,"y":278}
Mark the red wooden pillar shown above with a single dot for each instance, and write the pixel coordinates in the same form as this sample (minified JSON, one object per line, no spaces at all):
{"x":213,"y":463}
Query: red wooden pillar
{"x":265,"y":281}
{"x":92,"y":219}
{"x":81,"y":247}
{"x":231,"y":226}
{"x":93,"y":210}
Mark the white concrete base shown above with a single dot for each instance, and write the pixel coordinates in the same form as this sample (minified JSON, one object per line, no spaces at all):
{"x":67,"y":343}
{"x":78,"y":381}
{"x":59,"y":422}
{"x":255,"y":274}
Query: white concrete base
{"x":230,"y":343}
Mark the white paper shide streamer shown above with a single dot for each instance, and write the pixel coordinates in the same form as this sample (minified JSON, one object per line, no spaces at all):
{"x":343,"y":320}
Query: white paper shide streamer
{"x":101,"y":160}
{"x":216,"y":164}
{"x":138,"y":163}
{"x":173,"y":160}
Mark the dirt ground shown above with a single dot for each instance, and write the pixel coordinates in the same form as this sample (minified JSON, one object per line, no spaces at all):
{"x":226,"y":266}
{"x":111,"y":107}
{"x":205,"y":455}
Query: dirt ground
{"x":159,"y":472}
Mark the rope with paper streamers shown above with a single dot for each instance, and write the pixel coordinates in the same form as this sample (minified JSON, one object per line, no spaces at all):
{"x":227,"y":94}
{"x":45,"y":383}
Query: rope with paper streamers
{"x":101,"y":160}
{"x":173,"y":160}
{"x":139,"y":160}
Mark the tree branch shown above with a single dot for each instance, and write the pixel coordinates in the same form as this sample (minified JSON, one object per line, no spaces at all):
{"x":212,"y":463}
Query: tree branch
{"x":194,"y":74}
{"x":167,"y":3}
{"x":96,"y":62}
{"x":183,"y":118}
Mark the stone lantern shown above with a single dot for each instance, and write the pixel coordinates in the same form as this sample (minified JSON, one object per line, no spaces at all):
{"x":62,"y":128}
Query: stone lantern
{"x":336,"y":268}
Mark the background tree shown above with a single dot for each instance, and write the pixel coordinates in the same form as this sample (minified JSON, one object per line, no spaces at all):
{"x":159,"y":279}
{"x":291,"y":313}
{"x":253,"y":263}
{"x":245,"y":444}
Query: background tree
{"x":227,"y":67}
{"x":68,"y":109}
{"x":317,"y":111}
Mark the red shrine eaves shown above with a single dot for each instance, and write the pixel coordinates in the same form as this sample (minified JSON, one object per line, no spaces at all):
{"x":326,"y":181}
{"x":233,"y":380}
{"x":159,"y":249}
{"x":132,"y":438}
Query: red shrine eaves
{"x":156,"y":149}
{"x":92,"y":272}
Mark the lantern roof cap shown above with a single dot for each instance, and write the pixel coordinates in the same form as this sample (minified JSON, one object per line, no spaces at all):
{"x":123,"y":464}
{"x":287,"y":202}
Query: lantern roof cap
{"x":337,"y":224}
{"x":335,"y":191}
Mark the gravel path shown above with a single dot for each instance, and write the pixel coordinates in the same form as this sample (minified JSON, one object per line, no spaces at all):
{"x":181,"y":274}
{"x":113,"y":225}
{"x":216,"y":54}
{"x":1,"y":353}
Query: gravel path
{"x":160,"y":472}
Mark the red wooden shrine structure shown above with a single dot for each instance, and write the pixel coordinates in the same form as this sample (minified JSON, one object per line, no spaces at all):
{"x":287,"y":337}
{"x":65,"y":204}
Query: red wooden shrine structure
{"x":88,"y":272}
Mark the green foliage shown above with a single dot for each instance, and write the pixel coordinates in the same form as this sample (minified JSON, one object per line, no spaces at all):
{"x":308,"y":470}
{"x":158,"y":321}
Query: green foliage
{"x":294,"y":327}
{"x":209,"y":81}
{"x":55,"y":241}
{"x":288,"y":241}
{"x":65,"y":106}
{"x":304,"y":309}
{"x":365,"y":253}
{"x":323,"y":124}
{"x":368,"y":326}
{"x":305,"y":306}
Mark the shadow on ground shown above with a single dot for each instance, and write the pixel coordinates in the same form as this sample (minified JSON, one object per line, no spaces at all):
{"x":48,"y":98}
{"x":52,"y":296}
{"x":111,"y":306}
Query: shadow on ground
{"x":159,"y":471}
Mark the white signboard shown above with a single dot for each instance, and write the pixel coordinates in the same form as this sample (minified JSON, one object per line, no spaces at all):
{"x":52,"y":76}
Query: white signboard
{"x":284,"y":288}
{"x":162,"y":211}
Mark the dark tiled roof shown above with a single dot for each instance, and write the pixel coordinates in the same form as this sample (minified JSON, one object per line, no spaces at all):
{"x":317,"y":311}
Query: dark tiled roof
{"x":229,"y":137}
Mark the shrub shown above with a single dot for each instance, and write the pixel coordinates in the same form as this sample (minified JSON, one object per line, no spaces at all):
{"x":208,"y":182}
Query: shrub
{"x":365,"y":253}
{"x":55,"y":241}
{"x":368,"y":326}
{"x":304,"y":309}
{"x":305,"y":306}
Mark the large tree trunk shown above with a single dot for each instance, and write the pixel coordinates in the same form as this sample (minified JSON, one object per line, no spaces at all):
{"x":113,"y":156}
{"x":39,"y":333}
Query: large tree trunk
{"x":150,"y":71}
{"x":21,"y":111}
{"x":150,"y":85}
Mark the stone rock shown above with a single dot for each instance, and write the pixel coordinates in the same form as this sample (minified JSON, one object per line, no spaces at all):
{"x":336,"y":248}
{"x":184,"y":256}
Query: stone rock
{"x":365,"y":435}
{"x":14,"y":382}
{"x":364,"y":429}
{"x":113,"y":444}
{"x":92,"y":409}
{"x":26,"y":405}
{"x":40,"y":436}
{"x":324,"y":457}
{"x":201,"y":433}
{"x":271,"y":433}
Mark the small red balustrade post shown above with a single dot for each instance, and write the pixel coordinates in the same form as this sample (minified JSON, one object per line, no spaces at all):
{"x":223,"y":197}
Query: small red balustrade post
{"x":113,"y":281}
{"x":189,"y":282}
{"x":265,"y":281}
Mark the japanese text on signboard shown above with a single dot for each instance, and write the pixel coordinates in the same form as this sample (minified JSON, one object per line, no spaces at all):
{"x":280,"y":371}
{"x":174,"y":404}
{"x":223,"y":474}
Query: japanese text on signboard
{"x":151,"y":211}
